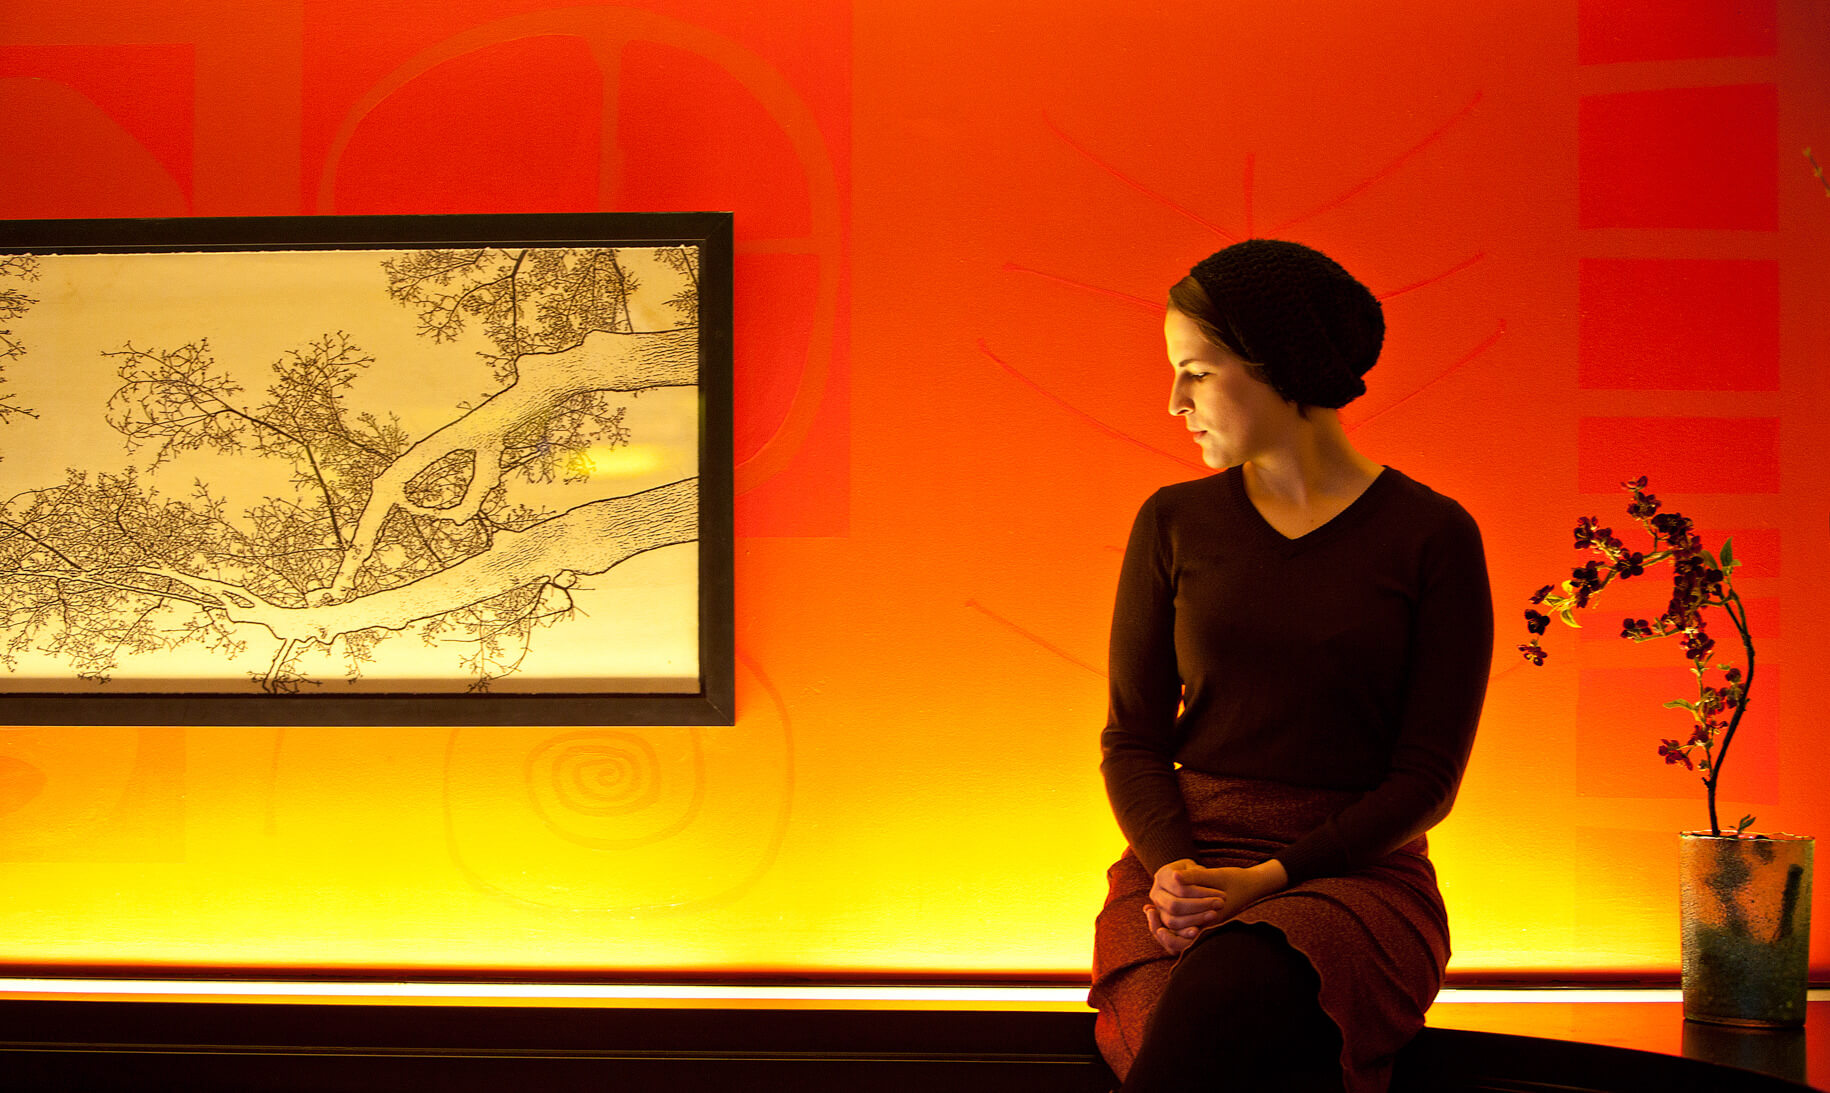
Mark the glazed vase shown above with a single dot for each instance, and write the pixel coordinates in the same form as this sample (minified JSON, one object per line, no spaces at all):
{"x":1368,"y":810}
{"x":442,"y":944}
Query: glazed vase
{"x":1746,"y":920}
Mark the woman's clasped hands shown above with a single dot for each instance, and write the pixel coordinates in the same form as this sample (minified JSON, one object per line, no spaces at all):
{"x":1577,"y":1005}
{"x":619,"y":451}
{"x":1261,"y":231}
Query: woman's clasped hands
{"x":1186,"y":897}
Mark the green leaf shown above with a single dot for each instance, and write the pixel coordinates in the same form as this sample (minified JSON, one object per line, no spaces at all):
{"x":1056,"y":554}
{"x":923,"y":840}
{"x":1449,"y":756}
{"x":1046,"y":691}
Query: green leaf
{"x":1728,"y":553}
{"x":1745,"y":823}
{"x":1681,"y":704}
{"x":1568,"y":615}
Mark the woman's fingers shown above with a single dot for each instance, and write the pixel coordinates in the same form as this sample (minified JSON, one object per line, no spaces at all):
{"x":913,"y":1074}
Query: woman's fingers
{"x":1180,"y":912}
{"x":1181,"y":904}
{"x":1179,"y":878}
{"x":1172,"y":941}
{"x":1163,"y":929}
{"x":1194,"y":922}
{"x":1192,"y":918}
{"x":1184,"y":908}
{"x":1204,"y":879}
{"x":1181,"y":884}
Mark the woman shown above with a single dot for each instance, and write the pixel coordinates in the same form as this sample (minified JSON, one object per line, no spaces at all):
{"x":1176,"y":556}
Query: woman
{"x":1299,"y":654}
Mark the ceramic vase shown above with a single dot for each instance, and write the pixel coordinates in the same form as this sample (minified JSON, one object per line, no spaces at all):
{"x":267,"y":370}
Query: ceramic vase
{"x":1746,"y":915}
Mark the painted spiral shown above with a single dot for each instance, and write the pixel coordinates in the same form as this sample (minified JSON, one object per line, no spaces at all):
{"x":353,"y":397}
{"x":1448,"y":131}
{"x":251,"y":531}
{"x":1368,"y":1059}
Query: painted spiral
{"x":606,"y":774}
{"x":609,"y":787}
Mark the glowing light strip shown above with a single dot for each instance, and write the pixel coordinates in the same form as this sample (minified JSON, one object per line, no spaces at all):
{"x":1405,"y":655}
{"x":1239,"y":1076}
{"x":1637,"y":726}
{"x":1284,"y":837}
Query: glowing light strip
{"x":1560,"y":995}
{"x":955,"y":995}
{"x":581,"y":991}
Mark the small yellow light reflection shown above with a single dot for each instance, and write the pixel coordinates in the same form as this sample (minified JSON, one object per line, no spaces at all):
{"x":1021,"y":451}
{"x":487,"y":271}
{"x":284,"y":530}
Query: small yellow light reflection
{"x":629,"y":461}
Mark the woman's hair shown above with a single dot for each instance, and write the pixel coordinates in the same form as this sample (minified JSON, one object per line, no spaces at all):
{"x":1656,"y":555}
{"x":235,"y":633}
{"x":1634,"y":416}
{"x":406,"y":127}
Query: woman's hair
{"x":1298,"y":320}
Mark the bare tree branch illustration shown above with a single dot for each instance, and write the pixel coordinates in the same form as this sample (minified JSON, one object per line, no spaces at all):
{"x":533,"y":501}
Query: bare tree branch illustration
{"x":382,"y":534}
{"x":14,"y":303}
{"x":604,"y":362}
{"x":685,"y":262}
{"x":530,"y":300}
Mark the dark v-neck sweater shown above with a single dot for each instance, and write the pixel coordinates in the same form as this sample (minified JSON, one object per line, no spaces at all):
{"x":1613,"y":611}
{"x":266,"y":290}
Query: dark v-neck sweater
{"x":1352,"y":657}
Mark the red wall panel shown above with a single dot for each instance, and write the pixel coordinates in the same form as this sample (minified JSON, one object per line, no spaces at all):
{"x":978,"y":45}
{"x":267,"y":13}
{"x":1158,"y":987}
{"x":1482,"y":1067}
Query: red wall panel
{"x":1681,"y":157}
{"x":1679,"y":324}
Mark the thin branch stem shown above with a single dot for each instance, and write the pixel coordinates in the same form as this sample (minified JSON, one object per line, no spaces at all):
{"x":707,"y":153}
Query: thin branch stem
{"x":1737,"y":614}
{"x":72,"y":562}
{"x":55,"y":575}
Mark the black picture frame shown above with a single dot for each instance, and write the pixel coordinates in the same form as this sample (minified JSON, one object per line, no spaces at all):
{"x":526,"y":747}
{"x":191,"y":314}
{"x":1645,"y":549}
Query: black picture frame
{"x":711,"y":702}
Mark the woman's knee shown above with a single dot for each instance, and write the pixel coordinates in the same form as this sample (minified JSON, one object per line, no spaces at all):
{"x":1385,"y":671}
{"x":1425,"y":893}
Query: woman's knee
{"x":1243,"y":1002}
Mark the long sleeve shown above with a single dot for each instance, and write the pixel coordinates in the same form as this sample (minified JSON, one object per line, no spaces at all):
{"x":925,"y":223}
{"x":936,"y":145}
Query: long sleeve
{"x":1139,"y":742}
{"x":1445,"y":684}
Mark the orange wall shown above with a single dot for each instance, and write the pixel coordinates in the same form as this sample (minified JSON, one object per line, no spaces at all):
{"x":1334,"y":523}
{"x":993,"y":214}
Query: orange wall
{"x":1596,"y":237}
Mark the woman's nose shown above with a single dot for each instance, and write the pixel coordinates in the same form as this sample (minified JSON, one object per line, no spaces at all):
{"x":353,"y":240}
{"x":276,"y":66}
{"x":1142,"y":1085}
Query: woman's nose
{"x":1178,"y":400}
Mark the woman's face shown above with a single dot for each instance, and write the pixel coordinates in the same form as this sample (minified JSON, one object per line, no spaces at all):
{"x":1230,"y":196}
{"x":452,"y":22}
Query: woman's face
{"x":1232,"y":415}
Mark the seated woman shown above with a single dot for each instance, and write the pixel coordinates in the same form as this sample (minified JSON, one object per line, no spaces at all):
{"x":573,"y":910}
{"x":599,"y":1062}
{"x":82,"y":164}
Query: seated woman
{"x":1300,"y":650}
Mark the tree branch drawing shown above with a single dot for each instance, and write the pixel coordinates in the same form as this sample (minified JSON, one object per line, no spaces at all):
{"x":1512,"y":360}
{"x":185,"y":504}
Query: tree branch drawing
{"x":382,"y":534}
{"x":15,"y":269}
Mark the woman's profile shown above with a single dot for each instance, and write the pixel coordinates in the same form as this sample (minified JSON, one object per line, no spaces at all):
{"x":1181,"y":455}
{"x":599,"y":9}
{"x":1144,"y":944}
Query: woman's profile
{"x":1300,"y":650}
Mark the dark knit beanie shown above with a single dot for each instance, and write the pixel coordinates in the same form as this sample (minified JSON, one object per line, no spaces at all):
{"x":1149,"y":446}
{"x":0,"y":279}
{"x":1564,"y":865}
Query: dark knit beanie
{"x":1295,"y":312}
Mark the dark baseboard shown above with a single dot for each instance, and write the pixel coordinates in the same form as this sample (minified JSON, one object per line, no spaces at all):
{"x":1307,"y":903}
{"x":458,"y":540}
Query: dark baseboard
{"x":368,"y":1048}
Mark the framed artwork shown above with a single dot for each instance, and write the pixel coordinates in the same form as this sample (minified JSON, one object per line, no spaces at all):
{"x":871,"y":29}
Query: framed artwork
{"x":367,"y":470}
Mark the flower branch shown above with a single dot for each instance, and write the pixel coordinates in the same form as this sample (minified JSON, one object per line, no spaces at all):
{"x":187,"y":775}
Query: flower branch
{"x":1700,"y":580}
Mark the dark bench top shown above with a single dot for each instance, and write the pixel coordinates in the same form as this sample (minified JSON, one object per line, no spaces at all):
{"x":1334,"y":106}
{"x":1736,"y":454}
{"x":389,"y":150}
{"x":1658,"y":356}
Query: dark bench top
{"x":688,"y":1045}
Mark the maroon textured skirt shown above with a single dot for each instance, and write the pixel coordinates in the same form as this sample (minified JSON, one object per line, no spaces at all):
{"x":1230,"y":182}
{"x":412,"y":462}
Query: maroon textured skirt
{"x":1378,"y":938}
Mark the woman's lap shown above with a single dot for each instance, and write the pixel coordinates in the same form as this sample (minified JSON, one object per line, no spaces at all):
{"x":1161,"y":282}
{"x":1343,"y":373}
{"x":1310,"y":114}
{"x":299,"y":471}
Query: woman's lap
{"x":1377,"y":940}
{"x":1242,"y":1006}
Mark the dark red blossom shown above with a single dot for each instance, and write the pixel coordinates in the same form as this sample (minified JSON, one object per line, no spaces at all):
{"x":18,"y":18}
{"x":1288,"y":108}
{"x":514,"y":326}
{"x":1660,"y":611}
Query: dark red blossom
{"x":1533,"y":652}
{"x":1672,"y":527}
{"x":1679,"y":615}
{"x":1588,"y":581}
{"x":1697,"y":575}
{"x":1587,"y":532}
{"x":1644,"y":505}
{"x":1536,"y":621}
{"x":1674,"y":753}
